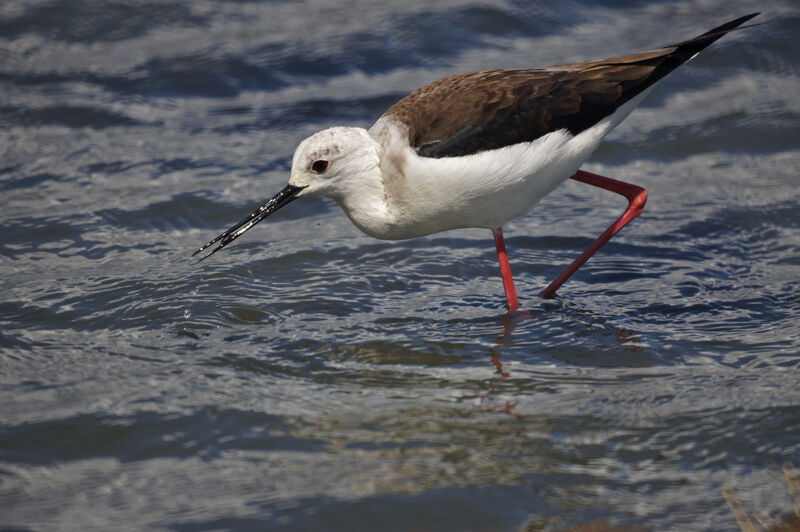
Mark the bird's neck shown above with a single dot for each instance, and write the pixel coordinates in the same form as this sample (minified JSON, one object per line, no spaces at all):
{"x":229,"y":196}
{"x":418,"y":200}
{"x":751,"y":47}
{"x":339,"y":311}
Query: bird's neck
{"x":363,"y":196}
{"x":365,"y":205}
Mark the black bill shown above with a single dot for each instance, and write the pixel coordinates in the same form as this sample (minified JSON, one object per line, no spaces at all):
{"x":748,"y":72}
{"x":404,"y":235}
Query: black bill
{"x":280,"y":199}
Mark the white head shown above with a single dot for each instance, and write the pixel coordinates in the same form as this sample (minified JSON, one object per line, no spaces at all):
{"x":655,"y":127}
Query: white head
{"x":341,"y":163}
{"x":335,"y":162}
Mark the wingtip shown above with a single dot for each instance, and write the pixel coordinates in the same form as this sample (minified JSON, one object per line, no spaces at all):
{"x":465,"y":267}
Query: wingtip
{"x":729,"y":25}
{"x":697,"y":44}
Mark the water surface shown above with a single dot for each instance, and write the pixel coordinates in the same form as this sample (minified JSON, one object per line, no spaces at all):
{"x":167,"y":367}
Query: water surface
{"x":312,"y":378}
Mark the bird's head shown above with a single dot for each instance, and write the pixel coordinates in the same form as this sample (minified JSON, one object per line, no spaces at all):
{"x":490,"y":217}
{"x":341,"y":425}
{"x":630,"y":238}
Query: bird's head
{"x":335,"y":162}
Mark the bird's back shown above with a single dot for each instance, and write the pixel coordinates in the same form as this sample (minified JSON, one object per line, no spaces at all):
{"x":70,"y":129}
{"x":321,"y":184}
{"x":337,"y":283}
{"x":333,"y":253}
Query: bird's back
{"x":477,"y":111}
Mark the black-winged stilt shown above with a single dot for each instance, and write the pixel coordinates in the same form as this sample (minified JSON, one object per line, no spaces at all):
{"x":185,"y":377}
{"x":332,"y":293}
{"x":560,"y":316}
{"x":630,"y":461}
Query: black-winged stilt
{"x":478,"y":149}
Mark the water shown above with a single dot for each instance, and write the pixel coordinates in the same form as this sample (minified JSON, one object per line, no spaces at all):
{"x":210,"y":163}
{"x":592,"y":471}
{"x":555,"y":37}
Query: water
{"x":311,"y":378}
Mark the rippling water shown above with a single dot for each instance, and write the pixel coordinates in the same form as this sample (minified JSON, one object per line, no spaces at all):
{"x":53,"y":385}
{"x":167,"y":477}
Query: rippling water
{"x":311,"y":378}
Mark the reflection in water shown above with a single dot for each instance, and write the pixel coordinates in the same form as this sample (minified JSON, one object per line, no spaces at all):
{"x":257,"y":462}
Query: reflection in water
{"x":626,"y":339}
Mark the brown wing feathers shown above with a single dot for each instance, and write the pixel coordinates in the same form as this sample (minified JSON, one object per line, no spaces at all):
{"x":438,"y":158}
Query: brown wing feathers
{"x":476,"y":111}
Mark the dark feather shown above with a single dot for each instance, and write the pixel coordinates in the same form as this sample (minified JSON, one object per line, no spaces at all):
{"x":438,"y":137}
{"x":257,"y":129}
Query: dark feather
{"x":477,"y":111}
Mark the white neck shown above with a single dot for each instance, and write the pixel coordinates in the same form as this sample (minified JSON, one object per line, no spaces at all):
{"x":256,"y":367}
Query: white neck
{"x":365,"y":204}
{"x":362,"y":195}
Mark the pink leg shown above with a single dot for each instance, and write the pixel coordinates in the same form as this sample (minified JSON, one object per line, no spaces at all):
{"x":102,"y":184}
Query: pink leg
{"x":505,"y":270}
{"x":637,"y":197}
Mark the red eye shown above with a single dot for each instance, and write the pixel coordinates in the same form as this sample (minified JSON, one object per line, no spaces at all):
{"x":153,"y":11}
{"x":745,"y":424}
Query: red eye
{"x":319,"y":166}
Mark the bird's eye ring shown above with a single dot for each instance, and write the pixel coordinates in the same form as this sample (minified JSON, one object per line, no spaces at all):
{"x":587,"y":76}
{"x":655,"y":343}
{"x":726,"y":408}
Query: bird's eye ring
{"x":319,"y":166}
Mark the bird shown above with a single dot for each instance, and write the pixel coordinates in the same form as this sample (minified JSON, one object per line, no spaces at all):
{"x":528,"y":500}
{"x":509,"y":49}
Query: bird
{"x":477,"y":149}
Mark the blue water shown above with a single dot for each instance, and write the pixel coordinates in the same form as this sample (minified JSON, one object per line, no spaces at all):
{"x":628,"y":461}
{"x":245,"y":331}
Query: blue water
{"x":309,"y":377}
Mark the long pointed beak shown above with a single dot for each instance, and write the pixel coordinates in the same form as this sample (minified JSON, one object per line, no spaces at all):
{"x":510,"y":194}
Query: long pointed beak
{"x":284,"y":197}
